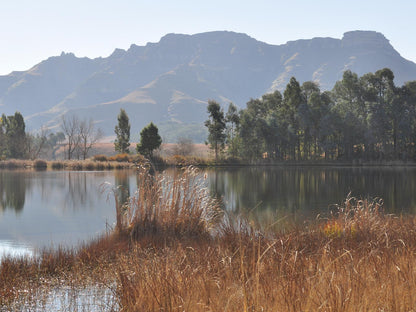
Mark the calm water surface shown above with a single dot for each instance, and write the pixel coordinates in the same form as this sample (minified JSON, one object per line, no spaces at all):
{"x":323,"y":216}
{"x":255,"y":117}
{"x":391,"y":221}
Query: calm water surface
{"x":308,"y":191}
{"x":51,"y":208}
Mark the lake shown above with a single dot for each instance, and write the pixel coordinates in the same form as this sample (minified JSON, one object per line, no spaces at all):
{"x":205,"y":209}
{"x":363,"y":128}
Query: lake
{"x":50,"y":208}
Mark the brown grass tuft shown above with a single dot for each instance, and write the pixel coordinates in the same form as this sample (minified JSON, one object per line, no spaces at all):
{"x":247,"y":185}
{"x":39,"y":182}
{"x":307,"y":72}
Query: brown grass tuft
{"x":166,"y":207}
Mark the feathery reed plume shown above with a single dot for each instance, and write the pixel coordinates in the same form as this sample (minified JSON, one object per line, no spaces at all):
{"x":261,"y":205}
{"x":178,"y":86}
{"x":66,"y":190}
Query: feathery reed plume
{"x":171,"y":207}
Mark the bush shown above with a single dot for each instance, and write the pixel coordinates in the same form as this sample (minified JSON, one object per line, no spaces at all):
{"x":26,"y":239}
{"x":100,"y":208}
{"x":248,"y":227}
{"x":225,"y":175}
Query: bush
{"x":179,"y":160}
{"x":12,"y":164}
{"x":120,"y":158}
{"x":100,"y":158}
{"x":40,"y":164}
{"x":138,"y":159}
{"x":90,"y":166}
{"x":57,"y":165}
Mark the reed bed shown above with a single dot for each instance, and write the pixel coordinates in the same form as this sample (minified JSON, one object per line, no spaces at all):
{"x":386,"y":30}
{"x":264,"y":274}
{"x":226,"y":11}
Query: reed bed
{"x":186,"y":161}
{"x":174,"y":250}
{"x":65,"y":164}
{"x":94,"y":165}
{"x":15,"y":164}
{"x":169,"y":208}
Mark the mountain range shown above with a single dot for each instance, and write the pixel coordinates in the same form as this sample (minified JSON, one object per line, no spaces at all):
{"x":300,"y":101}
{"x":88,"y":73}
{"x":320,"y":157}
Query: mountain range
{"x":170,"y":82}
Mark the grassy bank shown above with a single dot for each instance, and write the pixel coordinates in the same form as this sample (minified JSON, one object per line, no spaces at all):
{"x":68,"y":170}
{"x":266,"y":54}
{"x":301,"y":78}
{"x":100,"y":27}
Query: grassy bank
{"x":65,"y":164}
{"x":173,"y":249}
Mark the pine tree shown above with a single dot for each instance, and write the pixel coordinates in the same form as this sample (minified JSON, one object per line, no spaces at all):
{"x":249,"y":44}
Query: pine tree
{"x":122,"y":130}
{"x":149,"y":140}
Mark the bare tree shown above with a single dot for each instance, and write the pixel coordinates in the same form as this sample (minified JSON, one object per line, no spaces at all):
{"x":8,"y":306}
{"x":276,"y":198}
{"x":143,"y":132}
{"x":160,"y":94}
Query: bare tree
{"x":88,"y":136}
{"x":36,"y":143}
{"x":80,"y":135}
{"x":70,"y":127}
{"x":184,"y":147}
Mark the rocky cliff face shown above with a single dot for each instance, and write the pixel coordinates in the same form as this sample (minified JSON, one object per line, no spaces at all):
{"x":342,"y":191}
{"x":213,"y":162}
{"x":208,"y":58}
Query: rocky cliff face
{"x":171,"y":81}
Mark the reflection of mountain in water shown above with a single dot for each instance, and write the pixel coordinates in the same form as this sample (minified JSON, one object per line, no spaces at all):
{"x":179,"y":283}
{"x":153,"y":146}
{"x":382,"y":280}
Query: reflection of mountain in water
{"x":12,"y":191}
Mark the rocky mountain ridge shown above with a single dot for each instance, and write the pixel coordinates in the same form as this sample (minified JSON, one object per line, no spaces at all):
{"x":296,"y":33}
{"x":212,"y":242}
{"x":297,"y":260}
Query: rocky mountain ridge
{"x":170,"y":82}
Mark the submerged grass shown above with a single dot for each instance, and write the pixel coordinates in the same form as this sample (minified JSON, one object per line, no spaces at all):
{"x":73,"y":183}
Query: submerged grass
{"x":173,"y":250}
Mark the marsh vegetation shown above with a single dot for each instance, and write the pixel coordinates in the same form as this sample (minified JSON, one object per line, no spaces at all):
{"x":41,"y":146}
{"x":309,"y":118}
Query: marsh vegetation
{"x":174,"y":250}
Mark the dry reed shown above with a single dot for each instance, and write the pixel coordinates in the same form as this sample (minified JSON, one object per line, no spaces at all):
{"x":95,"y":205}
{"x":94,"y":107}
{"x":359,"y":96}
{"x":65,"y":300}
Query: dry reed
{"x":166,"y":207}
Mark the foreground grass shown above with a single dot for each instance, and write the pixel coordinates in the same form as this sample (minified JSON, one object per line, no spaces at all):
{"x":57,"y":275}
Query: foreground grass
{"x":173,"y":250}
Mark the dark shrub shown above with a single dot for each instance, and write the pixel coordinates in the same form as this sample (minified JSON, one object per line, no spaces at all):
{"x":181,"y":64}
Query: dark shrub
{"x":40,"y":164}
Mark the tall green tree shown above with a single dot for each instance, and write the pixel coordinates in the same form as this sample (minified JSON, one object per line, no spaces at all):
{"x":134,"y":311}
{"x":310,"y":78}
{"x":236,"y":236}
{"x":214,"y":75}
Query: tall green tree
{"x":122,"y":130}
{"x":216,"y":127}
{"x":274,"y":127}
{"x":381,"y":99}
{"x":293,"y":98}
{"x":252,"y":129}
{"x":15,"y":135}
{"x":3,"y":142}
{"x":149,"y":140}
{"x":348,"y":95}
{"x":232,"y":119}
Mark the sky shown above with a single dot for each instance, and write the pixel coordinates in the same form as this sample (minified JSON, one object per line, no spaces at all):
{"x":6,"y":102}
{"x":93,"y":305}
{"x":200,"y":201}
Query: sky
{"x":32,"y":31}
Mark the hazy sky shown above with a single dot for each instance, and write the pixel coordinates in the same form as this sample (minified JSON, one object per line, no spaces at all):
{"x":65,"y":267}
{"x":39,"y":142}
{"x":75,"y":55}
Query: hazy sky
{"x":31,"y":31}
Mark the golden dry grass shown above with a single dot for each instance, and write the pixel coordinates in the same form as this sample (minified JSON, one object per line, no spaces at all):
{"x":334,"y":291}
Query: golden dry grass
{"x":174,"y":251}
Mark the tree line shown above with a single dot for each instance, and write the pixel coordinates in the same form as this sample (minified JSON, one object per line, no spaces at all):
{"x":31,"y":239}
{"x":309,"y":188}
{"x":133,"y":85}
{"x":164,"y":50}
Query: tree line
{"x":367,"y":117}
{"x":76,"y":138}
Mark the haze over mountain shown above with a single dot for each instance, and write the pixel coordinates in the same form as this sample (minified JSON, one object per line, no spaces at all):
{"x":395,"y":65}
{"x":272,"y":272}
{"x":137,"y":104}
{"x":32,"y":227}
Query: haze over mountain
{"x":170,"y":82}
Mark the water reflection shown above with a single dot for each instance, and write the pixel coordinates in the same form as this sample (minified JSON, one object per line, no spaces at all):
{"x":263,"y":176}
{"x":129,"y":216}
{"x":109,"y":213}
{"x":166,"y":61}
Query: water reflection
{"x":309,"y":191}
{"x":61,"y":207}
{"x":11,"y":249}
{"x":12,"y":191}
{"x":54,"y":207}
{"x":122,"y":182}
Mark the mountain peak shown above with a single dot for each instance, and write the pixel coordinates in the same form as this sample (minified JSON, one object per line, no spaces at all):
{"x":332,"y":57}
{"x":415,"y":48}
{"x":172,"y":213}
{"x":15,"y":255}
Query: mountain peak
{"x":208,"y":36}
{"x":63,"y":53}
{"x":365,"y":38}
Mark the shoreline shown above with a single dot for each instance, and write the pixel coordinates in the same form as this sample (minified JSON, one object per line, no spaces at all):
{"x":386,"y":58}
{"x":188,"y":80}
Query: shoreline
{"x":13,"y":164}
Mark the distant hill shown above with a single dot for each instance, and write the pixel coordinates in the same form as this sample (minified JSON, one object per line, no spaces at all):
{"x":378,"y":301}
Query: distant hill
{"x":170,"y":82}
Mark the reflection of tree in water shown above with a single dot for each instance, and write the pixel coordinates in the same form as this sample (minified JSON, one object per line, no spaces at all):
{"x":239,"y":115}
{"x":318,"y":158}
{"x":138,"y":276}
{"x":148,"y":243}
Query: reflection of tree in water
{"x":123,"y":185}
{"x":78,"y":191}
{"x":12,"y":190}
{"x":309,"y":191}
{"x":76,"y":195}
